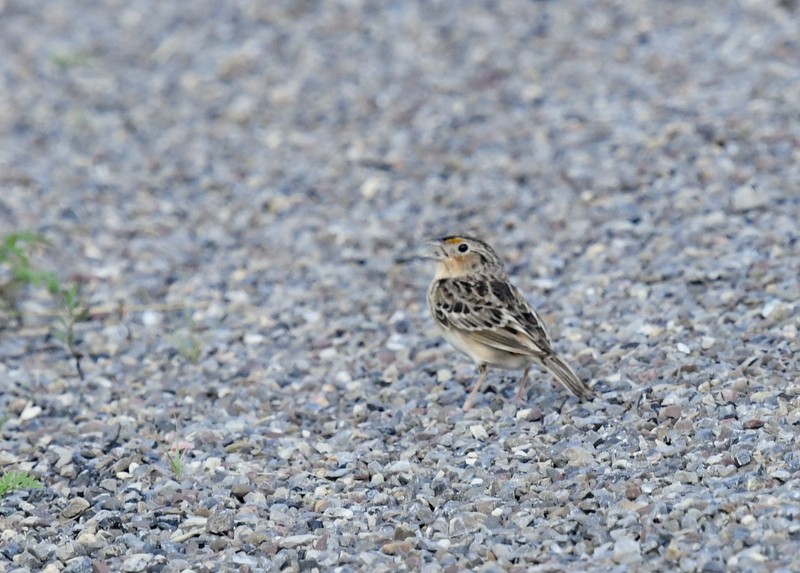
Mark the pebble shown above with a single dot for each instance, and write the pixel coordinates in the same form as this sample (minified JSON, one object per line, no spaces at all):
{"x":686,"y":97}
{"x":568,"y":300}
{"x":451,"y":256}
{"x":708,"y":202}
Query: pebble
{"x":220,"y":522}
{"x":747,"y":197}
{"x":398,"y":467}
{"x":444,"y":375}
{"x":626,"y":551}
{"x":137,"y":562}
{"x":30,"y":412}
{"x":396,"y":547}
{"x":152,"y":319}
{"x":292,"y":541}
{"x":478,"y":432}
{"x":75,"y":507}
{"x":253,"y":339}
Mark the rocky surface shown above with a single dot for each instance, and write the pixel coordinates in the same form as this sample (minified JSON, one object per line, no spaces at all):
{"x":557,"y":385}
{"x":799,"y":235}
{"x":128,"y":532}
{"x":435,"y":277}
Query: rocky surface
{"x":231,"y":184}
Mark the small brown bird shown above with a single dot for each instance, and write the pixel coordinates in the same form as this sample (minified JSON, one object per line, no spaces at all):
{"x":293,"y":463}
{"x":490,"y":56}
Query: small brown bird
{"x":485,"y":317}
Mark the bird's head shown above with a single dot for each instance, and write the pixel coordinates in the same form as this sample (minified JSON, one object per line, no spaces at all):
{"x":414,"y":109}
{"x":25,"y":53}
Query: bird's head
{"x":460,"y":255}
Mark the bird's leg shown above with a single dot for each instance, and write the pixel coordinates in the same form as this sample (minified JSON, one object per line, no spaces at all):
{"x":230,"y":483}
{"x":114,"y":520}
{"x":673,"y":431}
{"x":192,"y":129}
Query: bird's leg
{"x":483,"y":369}
{"x":521,"y":390}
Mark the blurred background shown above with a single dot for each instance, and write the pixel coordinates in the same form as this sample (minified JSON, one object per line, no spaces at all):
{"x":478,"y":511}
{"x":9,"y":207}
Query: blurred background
{"x":155,"y":138}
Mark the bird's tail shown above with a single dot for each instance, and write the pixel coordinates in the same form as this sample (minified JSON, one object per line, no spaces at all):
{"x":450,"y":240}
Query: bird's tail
{"x":566,"y":375}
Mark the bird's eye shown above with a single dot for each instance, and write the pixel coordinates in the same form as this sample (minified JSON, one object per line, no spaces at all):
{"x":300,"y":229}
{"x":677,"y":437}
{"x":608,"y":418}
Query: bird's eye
{"x":463,"y":248}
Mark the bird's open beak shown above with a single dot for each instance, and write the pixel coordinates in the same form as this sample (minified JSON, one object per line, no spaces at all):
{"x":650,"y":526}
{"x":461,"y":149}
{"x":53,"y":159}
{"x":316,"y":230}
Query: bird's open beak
{"x":426,"y":250}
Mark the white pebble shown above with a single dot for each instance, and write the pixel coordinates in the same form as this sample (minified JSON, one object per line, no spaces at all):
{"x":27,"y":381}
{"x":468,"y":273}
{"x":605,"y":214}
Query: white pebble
{"x":29,"y":412}
{"x":253,"y":338}
{"x":295,"y":540}
{"x":478,"y":432}
{"x":707,"y":342}
{"x":323,"y":448}
{"x":396,"y":342}
{"x":770,"y":308}
{"x":626,"y":550}
{"x":312,"y":316}
{"x":152,"y":318}
{"x":238,"y":296}
{"x":327,"y":353}
{"x":136,"y":562}
{"x":399,"y":467}
{"x":747,"y":197}
{"x":372,"y":186}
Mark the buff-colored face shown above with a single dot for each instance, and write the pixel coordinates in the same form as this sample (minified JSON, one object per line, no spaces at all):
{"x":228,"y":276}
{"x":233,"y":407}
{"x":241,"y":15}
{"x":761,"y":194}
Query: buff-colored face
{"x":460,"y":256}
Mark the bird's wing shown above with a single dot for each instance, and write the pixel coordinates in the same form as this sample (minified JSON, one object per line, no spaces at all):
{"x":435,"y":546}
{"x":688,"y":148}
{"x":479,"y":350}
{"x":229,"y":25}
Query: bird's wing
{"x":493,"y":312}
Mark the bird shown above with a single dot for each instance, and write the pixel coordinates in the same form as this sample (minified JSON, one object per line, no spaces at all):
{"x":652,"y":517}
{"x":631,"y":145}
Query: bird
{"x":484,"y":316}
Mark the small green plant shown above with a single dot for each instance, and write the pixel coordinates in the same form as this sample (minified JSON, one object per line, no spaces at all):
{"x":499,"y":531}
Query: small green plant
{"x":66,"y":60}
{"x":187,"y":342}
{"x":17,"y":271}
{"x":175,"y":453}
{"x":16,"y":267}
{"x":73,"y":312}
{"x":13,"y":481}
{"x":176,"y":461}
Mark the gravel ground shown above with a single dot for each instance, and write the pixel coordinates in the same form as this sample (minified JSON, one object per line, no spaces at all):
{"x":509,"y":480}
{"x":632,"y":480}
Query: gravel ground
{"x":231,"y":183}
